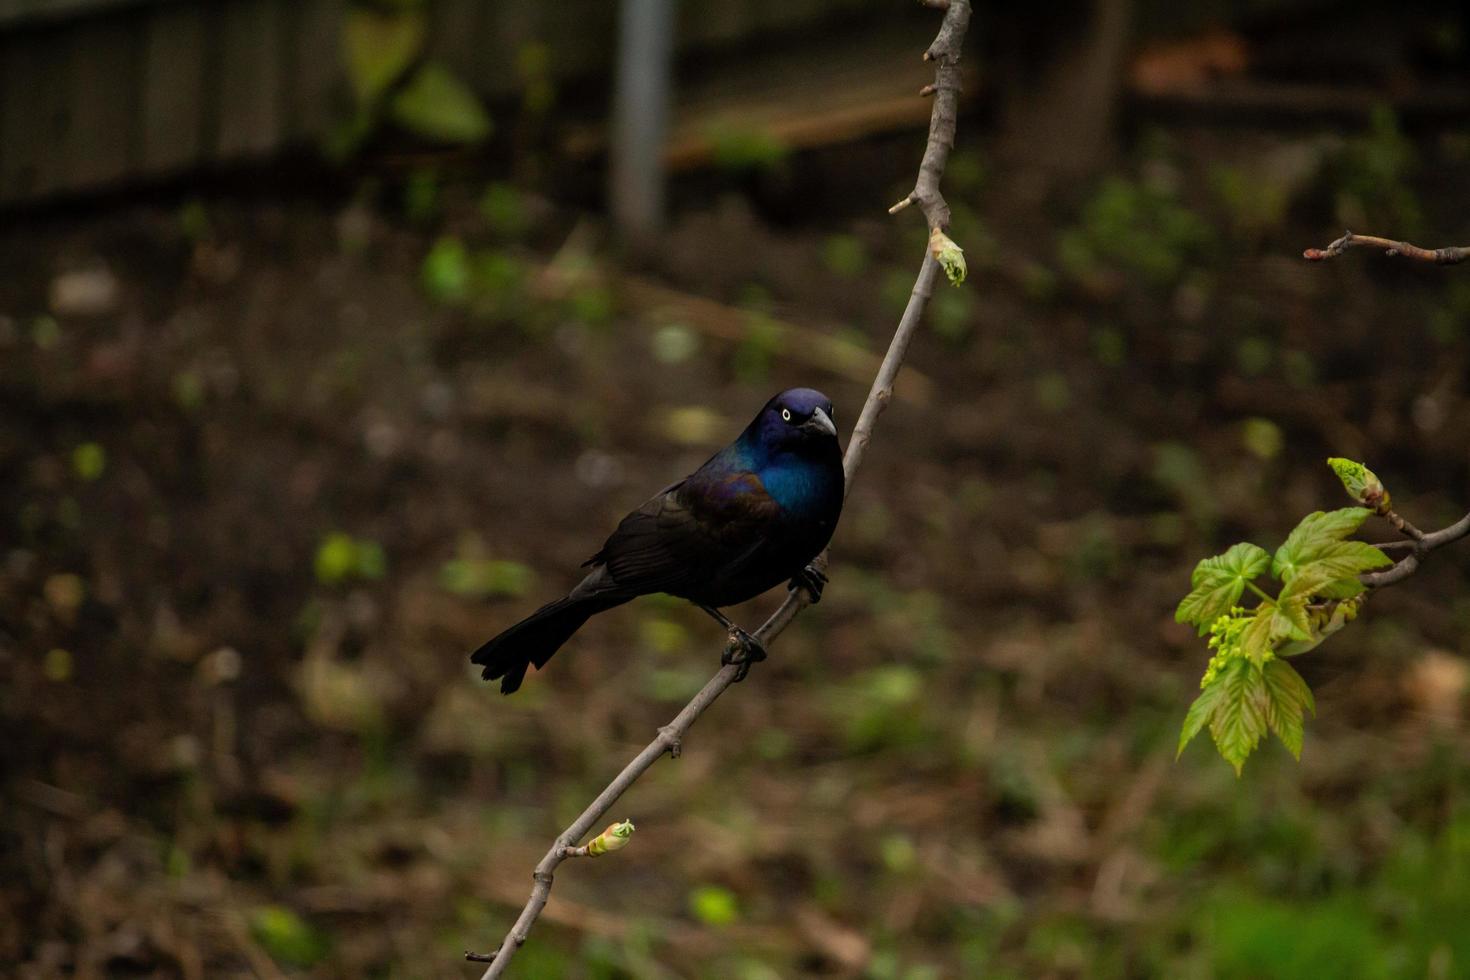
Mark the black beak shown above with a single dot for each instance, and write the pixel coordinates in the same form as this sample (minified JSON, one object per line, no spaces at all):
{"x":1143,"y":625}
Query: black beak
{"x":820,"y":422}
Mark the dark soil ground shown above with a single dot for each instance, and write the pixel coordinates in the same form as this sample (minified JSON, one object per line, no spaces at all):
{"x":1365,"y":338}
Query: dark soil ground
{"x":291,"y":458}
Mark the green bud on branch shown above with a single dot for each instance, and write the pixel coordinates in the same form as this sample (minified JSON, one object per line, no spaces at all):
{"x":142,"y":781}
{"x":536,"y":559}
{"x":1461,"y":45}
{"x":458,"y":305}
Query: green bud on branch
{"x":614,"y":838}
{"x":949,"y":255}
{"x":1361,"y":483}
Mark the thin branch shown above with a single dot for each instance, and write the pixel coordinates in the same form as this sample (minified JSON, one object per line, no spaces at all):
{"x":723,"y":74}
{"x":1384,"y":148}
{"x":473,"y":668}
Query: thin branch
{"x":1421,"y":547}
{"x":945,"y":51}
{"x":1434,"y":256}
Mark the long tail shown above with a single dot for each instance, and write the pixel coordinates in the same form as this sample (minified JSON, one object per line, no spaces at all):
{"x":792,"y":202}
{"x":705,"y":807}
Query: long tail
{"x":534,"y":639}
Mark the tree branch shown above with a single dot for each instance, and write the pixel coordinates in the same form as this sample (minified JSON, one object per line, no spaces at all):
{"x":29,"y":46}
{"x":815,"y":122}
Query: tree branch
{"x":1420,"y":547}
{"x":945,"y":51}
{"x":1435,"y":256}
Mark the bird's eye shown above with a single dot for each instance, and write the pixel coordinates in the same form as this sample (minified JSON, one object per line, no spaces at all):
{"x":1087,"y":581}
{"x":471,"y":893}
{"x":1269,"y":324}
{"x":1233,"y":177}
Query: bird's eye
{"x":786,"y":415}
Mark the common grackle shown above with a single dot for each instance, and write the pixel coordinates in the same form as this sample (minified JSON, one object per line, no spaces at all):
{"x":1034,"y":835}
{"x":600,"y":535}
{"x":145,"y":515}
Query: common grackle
{"x":754,"y":515}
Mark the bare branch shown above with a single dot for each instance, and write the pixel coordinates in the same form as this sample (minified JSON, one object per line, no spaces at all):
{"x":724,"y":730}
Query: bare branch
{"x":1421,"y":546}
{"x":945,"y":51}
{"x":1435,"y":256}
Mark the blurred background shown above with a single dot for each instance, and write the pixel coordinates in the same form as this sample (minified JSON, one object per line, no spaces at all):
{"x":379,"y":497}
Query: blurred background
{"x":334,"y":335}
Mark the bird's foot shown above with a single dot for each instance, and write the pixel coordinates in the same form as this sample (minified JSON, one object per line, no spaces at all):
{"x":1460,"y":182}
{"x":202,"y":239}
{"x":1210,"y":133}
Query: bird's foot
{"x":810,"y":578}
{"x":742,"y":651}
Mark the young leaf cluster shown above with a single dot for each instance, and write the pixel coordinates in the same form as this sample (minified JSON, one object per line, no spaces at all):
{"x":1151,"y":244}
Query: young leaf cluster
{"x":1248,"y":688}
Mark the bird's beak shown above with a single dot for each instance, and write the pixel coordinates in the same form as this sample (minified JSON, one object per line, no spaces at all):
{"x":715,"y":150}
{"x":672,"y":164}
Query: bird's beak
{"x":820,"y":422}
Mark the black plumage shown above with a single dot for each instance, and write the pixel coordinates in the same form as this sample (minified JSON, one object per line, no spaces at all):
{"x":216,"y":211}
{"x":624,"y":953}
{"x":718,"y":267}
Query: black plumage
{"x":753,"y":516}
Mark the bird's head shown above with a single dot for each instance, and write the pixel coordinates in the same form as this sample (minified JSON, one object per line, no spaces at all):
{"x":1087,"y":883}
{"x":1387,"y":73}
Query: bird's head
{"x":796,"y":420}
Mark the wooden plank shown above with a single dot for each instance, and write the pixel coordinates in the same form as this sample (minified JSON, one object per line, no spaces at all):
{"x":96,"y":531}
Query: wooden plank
{"x":12,"y":11}
{"x":102,"y":104}
{"x":172,"y":87}
{"x":506,"y":27}
{"x":455,"y":37}
{"x":703,"y":25}
{"x":590,"y":47}
{"x":35,"y":78}
{"x":249,"y":107}
{"x":313,"y":77}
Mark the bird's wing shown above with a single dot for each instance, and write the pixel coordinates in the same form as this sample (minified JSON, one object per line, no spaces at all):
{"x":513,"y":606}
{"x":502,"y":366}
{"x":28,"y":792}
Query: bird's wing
{"x":691,"y":532}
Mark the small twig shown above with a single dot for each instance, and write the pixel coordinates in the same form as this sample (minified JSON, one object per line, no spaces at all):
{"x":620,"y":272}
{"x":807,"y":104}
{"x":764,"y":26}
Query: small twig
{"x":1404,"y":527}
{"x":1421,"y":546}
{"x":1435,"y":256}
{"x":946,"y":52}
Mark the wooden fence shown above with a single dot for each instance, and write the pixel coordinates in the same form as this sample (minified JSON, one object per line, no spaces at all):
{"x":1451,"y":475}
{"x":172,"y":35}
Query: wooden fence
{"x":100,"y":93}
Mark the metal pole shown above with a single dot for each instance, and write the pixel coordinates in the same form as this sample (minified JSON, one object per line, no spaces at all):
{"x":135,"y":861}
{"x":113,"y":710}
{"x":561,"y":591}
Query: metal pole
{"x":640,"y":119}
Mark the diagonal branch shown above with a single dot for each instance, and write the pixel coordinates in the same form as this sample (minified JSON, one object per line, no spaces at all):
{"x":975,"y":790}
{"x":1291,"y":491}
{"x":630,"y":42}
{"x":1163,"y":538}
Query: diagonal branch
{"x":1420,"y":547}
{"x":945,"y":51}
{"x":1453,"y":255}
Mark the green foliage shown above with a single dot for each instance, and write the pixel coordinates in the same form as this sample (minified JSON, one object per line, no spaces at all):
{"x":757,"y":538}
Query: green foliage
{"x":1247,"y":689}
{"x":714,"y":905}
{"x":1137,"y":228}
{"x":342,"y":558}
{"x":1371,"y":174}
{"x":483,"y":578}
{"x":446,"y":271}
{"x":504,"y":210}
{"x":378,"y":48}
{"x":438,"y":106}
{"x":1262,"y":437}
{"x":745,"y":150}
{"x":421,"y":195}
{"x":951,"y":313}
{"x":1218,"y":583}
{"x":88,"y":461}
{"x":844,"y":256}
{"x":287,"y":937}
{"x":383,"y":47}
{"x":1254,"y":204}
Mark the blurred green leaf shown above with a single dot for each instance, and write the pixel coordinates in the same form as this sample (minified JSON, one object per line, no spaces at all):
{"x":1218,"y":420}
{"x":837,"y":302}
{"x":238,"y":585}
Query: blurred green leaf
{"x":341,"y":557}
{"x":674,"y":344}
{"x":438,"y":106}
{"x":88,"y":461}
{"x":286,"y":937}
{"x":379,"y":47}
{"x":504,"y":210}
{"x":446,"y":272}
{"x":1138,"y":228}
{"x":714,"y":905}
{"x":844,"y":255}
{"x":421,"y":195}
{"x":57,"y":665}
{"x":739,"y":149}
{"x":484,"y":578}
{"x":1262,"y":437}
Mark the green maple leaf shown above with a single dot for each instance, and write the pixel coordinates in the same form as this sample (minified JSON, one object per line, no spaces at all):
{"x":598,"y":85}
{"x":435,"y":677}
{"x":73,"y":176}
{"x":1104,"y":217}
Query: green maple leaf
{"x":1239,"y":721}
{"x":1218,"y":582}
{"x":1288,"y":698}
{"x":1313,"y":537}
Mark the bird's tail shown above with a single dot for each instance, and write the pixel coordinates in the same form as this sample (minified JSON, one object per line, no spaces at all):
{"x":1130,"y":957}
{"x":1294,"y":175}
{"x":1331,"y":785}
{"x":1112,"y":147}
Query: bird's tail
{"x":534,"y":639}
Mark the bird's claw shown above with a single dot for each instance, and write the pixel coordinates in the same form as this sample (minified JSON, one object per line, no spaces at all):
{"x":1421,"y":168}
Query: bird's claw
{"x":810,"y":578}
{"x":742,"y":651}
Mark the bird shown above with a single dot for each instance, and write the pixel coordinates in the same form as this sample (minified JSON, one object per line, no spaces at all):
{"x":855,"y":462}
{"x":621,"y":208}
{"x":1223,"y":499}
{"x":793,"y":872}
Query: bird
{"x":755,"y":514}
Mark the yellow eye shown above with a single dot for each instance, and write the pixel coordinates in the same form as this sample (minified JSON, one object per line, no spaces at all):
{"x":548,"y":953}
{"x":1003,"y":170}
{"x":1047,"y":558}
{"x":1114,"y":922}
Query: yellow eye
{"x":786,"y":415}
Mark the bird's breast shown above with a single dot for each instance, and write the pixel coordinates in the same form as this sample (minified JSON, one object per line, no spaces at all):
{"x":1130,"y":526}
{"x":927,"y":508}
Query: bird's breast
{"x":804,"y":491}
